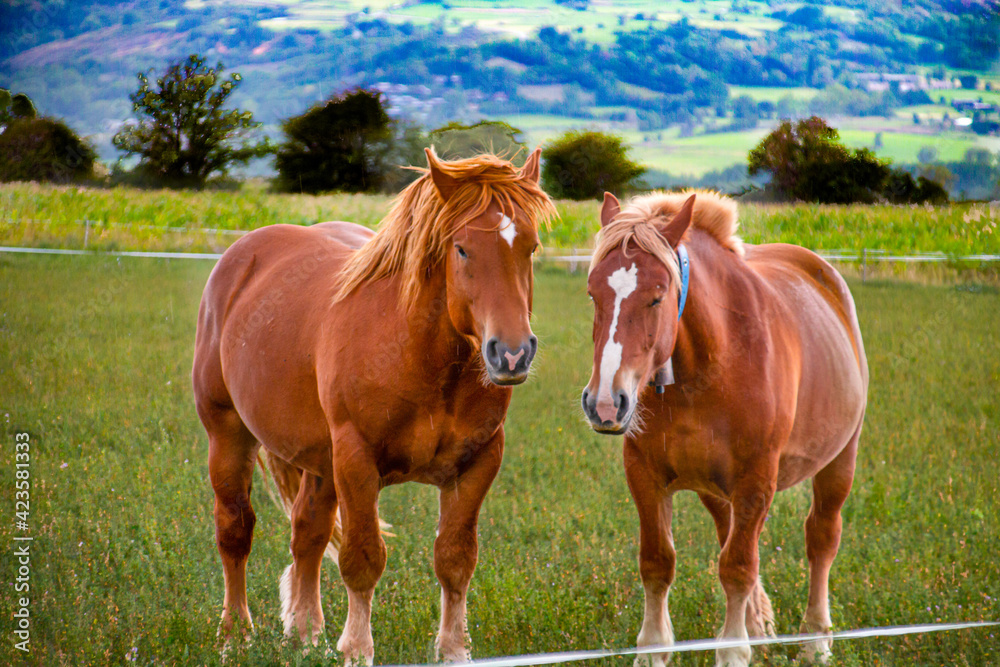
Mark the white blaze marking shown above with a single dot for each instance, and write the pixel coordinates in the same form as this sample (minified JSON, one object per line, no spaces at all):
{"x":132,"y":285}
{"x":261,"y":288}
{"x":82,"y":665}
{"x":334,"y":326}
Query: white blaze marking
{"x":507,"y":230}
{"x":623,"y":283}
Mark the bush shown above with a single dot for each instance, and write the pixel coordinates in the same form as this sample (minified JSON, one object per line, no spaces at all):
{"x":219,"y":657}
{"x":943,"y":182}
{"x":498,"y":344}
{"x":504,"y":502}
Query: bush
{"x":586,"y":164}
{"x":808,"y":162}
{"x":44,"y":149}
{"x":341,"y":145}
{"x":901,"y":188}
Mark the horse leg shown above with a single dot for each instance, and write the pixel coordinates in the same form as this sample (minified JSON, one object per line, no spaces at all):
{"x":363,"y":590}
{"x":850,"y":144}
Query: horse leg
{"x":456,"y":549}
{"x":657,"y":557}
{"x":739,"y":564}
{"x":362,"y":550}
{"x":760,"y":615}
{"x":232,"y":453}
{"x":823,"y":526}
{"x":312,"y":526}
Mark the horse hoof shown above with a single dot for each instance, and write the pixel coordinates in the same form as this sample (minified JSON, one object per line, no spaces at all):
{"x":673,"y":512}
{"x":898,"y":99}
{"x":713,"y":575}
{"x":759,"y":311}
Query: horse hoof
{"x":652,"y":660}
{"x":815,"y":653}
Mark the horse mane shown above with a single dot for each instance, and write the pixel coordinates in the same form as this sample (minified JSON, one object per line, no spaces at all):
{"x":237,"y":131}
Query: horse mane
{"x":637,"y":224}
{"x":415,"y":236}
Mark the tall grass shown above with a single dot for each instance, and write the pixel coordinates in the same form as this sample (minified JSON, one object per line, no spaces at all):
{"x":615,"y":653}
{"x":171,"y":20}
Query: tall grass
{"x":95,"y":357}
{"x":128,"y":219}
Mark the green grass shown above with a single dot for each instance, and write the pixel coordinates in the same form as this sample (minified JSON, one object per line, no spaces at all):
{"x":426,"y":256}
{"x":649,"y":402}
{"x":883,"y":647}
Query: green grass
{"x":902,"y":147}
{"x":49,"y":216}
{"x":95,"y":355}
{"x":761,"y":93}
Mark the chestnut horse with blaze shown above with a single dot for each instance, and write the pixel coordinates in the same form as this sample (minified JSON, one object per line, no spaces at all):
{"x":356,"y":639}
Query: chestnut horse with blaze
{"x":360,"y":360}
{"x":733,"y":371}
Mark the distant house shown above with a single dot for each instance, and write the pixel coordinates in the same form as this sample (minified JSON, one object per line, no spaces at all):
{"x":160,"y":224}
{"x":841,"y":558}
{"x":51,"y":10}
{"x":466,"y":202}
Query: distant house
{"x":881,"y":81}
{"x":972,"y":105}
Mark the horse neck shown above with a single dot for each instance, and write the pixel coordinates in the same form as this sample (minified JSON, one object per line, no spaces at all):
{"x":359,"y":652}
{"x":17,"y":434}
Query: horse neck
{"x":719,"y":294}
{"x":430,"y":327}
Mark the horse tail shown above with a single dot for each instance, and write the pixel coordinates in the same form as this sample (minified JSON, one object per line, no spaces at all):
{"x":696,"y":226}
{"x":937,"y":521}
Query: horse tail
{"x":282,"y":481}
{"x":760,"y":614}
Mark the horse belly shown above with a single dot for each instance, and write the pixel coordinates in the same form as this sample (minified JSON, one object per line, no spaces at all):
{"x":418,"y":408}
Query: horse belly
{"x":830,"y":400}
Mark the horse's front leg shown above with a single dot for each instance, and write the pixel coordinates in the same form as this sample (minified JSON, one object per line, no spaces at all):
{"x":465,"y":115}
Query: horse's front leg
{"x":362,"y":551}
{"x":456,"y":548}
{"x":657,"y":557}
{"x":740,"y":562}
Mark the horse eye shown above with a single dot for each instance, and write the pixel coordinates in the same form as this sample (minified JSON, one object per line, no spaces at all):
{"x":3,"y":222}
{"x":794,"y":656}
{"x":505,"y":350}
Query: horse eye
{"x":655,"y":302}
{"x":461,"y":252}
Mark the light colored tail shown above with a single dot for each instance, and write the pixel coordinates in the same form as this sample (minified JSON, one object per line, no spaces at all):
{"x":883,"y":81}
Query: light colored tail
{"x":760,"y":615}
{"x":282,"y":481}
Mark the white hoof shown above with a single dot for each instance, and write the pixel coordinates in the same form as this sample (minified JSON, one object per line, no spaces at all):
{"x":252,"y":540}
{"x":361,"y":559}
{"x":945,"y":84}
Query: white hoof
{"x":653,"y":660}
{"x":733,"y":657}
{"x":816,"y":653}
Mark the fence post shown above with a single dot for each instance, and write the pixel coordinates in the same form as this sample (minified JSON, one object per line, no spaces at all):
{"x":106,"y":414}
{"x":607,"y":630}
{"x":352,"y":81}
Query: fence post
{"x":86,"y":233}
{"x":864,"y":264}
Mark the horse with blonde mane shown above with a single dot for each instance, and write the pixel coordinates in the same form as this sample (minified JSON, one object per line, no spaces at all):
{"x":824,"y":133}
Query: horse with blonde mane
{"x":359,"y":360}
{"x":734,"y":371}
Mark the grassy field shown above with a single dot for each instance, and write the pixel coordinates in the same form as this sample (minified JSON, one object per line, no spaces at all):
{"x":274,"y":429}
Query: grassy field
{"x":94,"y":364}
{"x":521,"y":19}
{"x":126,"y":219}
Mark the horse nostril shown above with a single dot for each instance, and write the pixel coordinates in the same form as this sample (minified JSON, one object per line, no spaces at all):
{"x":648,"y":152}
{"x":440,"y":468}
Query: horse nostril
{"x":622,"y":406}
{"x":492,"y":353}
{"x":584,"y":400}
{"x":532,"y":346}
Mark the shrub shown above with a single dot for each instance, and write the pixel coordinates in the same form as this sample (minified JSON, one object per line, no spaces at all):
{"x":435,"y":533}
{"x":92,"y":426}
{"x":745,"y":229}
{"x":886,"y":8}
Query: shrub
{"x":44,"y":149}
{"x":586,"y":164}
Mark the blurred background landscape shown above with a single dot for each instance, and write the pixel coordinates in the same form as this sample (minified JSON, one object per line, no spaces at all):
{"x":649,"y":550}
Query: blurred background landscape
{"x":691,"y":86}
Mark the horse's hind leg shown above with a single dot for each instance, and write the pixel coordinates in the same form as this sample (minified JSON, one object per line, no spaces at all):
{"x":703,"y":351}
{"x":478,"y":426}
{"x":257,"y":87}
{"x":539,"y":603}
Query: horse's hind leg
{"x":760,"y":615}
{"x":312,"y":526}
{"x":830,"y":488}
{"x":232,"y":453}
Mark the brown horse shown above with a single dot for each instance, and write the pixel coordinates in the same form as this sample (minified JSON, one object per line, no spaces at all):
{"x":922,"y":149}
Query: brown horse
{"x":360,"y":361}
{"x":759,"y":381}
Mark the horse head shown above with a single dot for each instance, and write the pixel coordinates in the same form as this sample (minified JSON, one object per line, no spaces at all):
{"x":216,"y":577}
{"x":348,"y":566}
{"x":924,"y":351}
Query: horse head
{"x":636,"y":290}
{"x":488,"y":267}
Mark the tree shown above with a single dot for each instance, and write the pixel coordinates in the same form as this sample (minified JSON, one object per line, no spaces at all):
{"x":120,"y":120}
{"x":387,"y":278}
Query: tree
{"x":17,"y":106}
{"x":455,"y":141}
{"x":22,"y":107}
{"x":43,"y":149}
{"x":185,"y":134}
{"x":342,"y":144}
{"x":808,"y":162}
{"x":927,"y":154}
{"x":585,"y":164}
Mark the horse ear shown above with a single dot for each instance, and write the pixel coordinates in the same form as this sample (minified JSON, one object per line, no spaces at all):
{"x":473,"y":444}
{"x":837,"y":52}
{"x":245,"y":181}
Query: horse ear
{"x":530,"y":170}
{"x":610,"y":209}
{"x":445,"y":184}
{"x":674,"y":230}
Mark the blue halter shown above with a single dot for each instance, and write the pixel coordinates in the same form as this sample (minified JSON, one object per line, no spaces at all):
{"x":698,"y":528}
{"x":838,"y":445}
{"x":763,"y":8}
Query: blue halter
{"x":682,"y":255}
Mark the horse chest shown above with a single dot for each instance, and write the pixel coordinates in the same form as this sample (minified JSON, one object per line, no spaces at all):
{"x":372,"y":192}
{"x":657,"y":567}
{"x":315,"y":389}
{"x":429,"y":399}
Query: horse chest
{"x":434,"y":444}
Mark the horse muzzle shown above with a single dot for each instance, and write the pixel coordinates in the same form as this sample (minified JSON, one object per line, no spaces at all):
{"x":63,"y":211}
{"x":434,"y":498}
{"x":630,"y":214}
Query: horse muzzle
{"x":609,"y":415}
{"x":507,"y":366}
